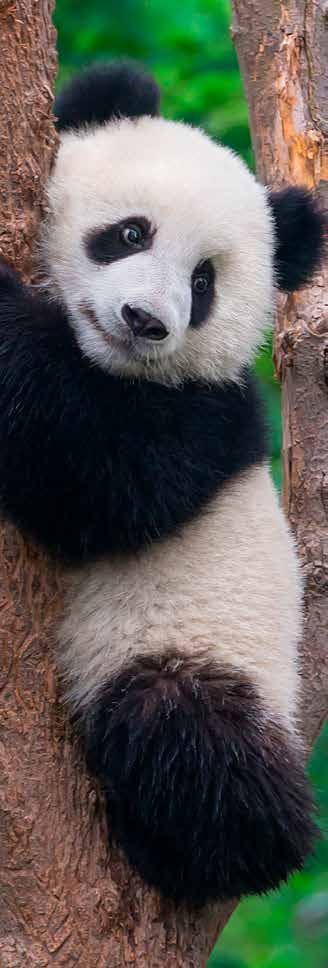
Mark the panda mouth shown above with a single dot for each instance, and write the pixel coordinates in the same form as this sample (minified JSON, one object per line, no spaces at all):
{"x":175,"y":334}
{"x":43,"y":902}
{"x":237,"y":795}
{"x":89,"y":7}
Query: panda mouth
{"x":113,"y":341}
{"x":128,"y":346}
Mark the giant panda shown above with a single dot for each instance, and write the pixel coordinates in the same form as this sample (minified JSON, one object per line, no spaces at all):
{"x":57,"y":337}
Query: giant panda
{"x":133,"y":447}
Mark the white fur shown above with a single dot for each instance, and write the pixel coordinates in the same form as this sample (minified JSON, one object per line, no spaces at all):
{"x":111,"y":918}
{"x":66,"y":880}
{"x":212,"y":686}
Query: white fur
{"x":228,"y":587}
{"x":204,"y":203}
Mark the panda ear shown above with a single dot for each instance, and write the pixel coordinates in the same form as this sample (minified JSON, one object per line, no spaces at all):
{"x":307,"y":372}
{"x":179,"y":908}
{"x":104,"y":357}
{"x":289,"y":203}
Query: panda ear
{"x":301,"y":229}
{"x":106,"y":91}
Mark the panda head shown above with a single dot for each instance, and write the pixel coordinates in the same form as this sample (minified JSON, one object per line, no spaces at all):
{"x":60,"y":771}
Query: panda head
{"x":160,"y":243}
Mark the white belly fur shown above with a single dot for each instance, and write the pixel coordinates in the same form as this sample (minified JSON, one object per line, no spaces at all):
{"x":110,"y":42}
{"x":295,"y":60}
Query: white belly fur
{"x":228,"y":586}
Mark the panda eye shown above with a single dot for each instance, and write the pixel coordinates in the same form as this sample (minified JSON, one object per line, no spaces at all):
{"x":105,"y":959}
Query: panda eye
{"x":117,"y":241}
{"x":201,"y":283}
{"x":202,"y":278}
{"x":202,"y":291}
{"x":132,"y":235}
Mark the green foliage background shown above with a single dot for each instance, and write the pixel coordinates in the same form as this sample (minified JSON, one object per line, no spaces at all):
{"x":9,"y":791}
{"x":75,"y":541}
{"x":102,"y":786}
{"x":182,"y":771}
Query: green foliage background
{"x":188,"y":47}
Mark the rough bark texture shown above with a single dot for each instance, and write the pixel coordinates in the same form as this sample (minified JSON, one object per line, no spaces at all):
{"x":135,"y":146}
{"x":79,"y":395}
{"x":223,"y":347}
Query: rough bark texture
{"x":27,"y":70}
{"x":283,"y":53}
{"x":63,"y":901}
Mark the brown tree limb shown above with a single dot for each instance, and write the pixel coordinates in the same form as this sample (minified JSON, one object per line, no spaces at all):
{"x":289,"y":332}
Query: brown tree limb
{"x":63,"y":901}
{"x":283,"y":54}
{"x":27,"y":139}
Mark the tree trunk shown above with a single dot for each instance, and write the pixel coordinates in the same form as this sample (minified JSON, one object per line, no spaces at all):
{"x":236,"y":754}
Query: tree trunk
{"x":283,"y":53}
{"x":63,"y":901}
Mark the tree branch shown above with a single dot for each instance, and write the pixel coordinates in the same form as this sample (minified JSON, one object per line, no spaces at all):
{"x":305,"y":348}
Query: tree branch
{"x":63,"y":901}
{"x":282,"y":53}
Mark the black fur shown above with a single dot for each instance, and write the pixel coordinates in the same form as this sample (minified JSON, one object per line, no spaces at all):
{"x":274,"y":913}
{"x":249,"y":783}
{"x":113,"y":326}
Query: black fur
{"x":301,"y":230}
{"x":207,"y":798}
{"x":106,"y":245}
{"x":201,"y":302}
{"x":91,"y":463}
{"x":104,"y":92}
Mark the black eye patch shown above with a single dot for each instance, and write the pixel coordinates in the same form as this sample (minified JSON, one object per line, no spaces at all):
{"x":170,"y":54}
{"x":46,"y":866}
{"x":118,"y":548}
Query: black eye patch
{"x":131,"y":235}
{"x":202,"y":292}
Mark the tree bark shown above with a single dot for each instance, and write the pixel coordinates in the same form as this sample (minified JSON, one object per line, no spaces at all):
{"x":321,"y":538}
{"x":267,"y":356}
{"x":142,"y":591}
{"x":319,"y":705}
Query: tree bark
{"x":283,"y":53}
{"x":64,"y":898}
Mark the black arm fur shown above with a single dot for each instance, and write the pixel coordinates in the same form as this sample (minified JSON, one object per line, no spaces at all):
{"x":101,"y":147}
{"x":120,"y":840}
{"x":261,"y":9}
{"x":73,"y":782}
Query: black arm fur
{"x":91,"y":463}
{"x":301,"y":232}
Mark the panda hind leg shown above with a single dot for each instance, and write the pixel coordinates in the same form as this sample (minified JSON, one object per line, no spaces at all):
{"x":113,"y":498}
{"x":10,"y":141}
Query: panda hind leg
{"x":207,"y":797}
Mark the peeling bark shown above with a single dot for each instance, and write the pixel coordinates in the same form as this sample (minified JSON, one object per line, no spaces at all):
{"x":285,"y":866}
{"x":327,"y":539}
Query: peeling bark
{"x":283,"y":54}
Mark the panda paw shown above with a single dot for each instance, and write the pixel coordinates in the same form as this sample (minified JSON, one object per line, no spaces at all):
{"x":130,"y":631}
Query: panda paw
{"x":207,"y":798}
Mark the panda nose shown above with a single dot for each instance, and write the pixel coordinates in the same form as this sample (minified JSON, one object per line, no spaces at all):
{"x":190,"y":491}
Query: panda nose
{"x":143,"y":324}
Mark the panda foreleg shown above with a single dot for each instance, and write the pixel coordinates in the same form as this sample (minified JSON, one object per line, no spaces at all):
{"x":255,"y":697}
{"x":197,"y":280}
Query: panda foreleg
{"x":46,"y":466}
{"x":31,"y":337}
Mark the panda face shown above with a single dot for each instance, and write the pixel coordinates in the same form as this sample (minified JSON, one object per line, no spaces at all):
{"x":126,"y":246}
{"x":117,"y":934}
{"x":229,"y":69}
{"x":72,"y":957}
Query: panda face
{"x":160,"y":244}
